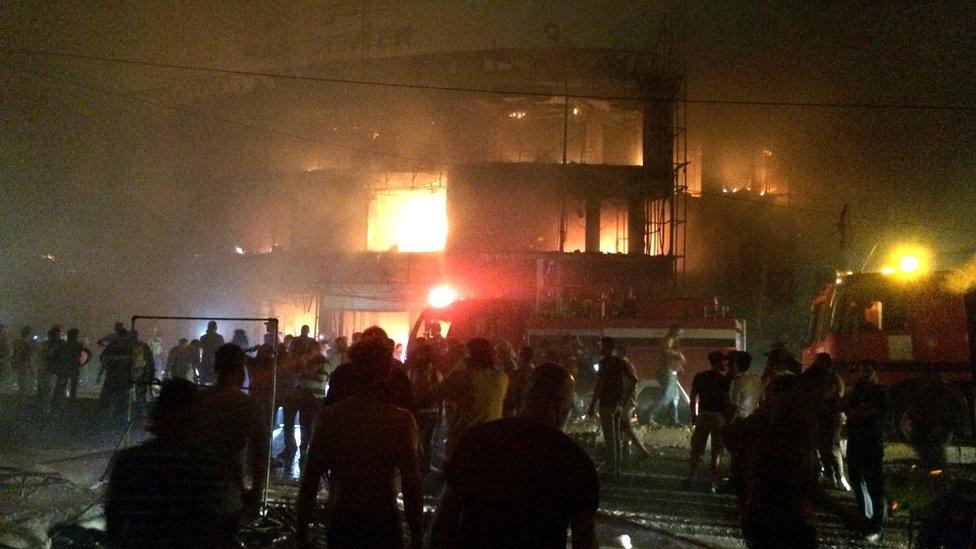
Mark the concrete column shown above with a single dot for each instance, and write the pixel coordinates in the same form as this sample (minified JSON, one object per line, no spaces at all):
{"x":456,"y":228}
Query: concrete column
{"x":592,"y":225}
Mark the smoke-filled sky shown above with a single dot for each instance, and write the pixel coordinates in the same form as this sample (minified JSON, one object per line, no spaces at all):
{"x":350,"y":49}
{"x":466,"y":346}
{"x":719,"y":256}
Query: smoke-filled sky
{"x":97,"y":170}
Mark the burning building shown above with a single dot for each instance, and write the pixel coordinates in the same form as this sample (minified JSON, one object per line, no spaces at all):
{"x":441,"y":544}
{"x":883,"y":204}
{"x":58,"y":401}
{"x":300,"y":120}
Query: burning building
{"x":488,"y":179}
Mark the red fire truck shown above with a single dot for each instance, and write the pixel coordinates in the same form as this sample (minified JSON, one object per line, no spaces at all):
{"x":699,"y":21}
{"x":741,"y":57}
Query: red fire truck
{"x":913,"y":327}
{"x":571,"y":334}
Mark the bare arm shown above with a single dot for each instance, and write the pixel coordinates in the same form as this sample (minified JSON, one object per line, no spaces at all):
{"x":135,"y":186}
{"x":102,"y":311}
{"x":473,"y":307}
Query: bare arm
{"x":409,"y":466}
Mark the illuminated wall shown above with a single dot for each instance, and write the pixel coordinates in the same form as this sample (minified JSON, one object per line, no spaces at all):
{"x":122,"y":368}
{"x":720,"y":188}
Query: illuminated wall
{"x":407,"y":220}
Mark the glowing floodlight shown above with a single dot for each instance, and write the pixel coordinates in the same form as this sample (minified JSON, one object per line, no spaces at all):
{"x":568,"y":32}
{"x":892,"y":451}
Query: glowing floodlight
{"x":442,"y":296}
{"x":909,"y":264}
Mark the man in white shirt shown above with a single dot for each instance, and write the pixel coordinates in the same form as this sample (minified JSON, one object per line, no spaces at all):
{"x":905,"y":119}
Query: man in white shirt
{"x":746,"y":391}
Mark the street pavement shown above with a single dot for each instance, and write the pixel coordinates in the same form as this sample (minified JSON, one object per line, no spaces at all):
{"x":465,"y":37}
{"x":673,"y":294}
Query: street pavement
{"x":52,"y":475}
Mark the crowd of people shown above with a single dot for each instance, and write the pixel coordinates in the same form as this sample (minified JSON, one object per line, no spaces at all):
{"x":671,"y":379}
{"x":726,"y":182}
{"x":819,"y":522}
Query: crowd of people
{"x":511,"y":475}
{"x":368,"y":425}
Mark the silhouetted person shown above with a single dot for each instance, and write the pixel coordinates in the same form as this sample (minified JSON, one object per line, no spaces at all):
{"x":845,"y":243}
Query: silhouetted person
{"x":118,"y":374}
{"x":286,"y":396}
{"x":866,"y":413}
{"x":476,"y":389}
{"x":209,"y":343}
{"x":673,"y":362}
{"x":230,"y":426}
{"x":144,"y":370}
{"x":518,"y":382}
{"x":165,"y":493}
{"x":194,"y":353}
{"x":312,"y":381}
{"x":75,"y":356}
{"x":361,"y":442}
{"x":424,"y":378}
{"x":51,"y":352}
{"x":709,"y":404}
{"x":823,"y":389}
{"x":521,"y":482}
{"x":746,"y":389}
{"x":613,"y":379}
{"x":395,"y":389}
{"x":22,"y":361}
{"x":780,"y":489}
{"x":117,"y":331}
{"x":627,"y":430}
{"x":340,"y":353}
{"x":240,"y":339}
{"x":178,"y":364}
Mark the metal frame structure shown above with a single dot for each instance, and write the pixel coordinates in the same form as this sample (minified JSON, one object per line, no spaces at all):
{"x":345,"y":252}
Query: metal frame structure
{"x":270,"y":321}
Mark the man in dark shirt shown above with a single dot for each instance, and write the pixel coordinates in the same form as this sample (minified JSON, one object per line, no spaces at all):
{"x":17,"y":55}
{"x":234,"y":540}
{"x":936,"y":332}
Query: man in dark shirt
{"x":521,"y":482}
{"x":231,"y":427}
{"x":865,"y":408}
{"x":164,"y":493}
{"x":613,"y":379}
{"x":709,"y":404}
{"x":362,"y":442}
{"x":209,"y":342}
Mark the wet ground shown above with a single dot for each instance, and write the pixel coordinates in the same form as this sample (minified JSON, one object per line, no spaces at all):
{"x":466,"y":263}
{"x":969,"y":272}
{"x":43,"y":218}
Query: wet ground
{"x":51,"y":474}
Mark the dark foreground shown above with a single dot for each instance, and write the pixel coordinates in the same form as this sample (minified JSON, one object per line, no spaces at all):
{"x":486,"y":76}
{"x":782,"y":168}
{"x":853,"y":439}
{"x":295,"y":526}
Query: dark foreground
{"x":50,"y":475}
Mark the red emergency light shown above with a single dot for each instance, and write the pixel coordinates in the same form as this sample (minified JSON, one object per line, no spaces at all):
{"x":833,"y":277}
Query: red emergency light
{"x":442,"y":296}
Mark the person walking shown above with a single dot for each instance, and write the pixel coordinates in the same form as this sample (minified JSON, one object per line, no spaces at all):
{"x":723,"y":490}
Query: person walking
{"x":362,"y":443}
{"x":866,"y":411}
{"x":823,"y":390}
{"x":610,"y":393}
{"x":709,"y":404}
{"x":22,"y":362}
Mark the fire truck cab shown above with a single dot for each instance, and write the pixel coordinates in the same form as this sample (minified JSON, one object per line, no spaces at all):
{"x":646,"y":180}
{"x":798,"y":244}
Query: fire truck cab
{"x":913,"y":328}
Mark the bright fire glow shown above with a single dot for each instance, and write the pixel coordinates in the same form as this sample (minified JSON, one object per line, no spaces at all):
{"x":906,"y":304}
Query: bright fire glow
{"x":408,"y":220}
{"x":909,"y":264}
{"x":442,"y":296}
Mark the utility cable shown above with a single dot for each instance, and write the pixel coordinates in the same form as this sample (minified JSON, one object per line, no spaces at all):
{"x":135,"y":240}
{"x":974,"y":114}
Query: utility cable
{"x":868,"y":105}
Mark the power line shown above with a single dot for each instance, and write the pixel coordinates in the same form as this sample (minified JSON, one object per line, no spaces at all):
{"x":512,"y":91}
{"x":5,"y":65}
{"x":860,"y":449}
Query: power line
{"x":199,"y":114}
{"x":488,"y":91}
{"x":833,"y":214}
{"x":397,"y":156}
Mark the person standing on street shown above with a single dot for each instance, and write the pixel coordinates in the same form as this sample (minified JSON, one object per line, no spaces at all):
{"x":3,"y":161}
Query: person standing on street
{"x":673,"y":362}
{"x":209,"y":343}
{"x":51,"y":367}
{"x":424,"y":377}
{"x":613,"y":378}
{"x":75,"y":356}
{"x":866,"y":411}
{"x":22,"y":362}
{"x":363,"y":443}
{"x":476,"y":388}
{"x":746,"y":390}
{"x":520,"y":481}
{"x":709,"y":404}
{"x":823,"y":389}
